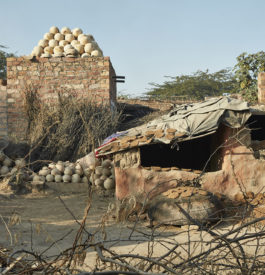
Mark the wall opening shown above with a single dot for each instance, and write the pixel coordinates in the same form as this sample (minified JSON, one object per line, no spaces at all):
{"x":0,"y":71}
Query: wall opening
{"x":256,"y":124}
{"x":190,"y":154}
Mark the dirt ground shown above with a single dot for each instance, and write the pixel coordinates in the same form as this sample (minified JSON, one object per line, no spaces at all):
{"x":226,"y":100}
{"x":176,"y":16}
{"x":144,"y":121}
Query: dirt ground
{"x":47,"y":224}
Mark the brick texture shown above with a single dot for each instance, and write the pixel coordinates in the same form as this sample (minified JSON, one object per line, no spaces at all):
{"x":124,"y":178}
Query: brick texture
{"x":84,"y":77}
{"x":3,"y":110}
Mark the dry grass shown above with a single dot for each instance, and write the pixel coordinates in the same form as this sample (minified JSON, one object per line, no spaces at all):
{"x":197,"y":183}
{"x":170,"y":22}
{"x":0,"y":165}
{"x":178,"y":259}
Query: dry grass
{"x":69,"y":128}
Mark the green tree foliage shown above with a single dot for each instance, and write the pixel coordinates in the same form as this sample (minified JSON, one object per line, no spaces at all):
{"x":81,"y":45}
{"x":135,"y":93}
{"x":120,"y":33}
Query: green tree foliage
{"x":3,"y":56}
{"x":195,"y":86}
{"x":246,"y":72}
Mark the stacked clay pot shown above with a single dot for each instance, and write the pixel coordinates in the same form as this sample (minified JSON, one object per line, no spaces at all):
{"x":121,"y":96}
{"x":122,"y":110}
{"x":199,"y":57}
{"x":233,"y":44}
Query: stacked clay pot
{"x":102,"y":175}
{"x":8,"y":166}
{"x":61,"y":172}
{"x":66,"y":42}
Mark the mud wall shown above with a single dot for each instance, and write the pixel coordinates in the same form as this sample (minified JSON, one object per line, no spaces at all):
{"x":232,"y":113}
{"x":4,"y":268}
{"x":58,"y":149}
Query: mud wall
{"x":85,"y":77}
{"x":3,"y":109}
{"x":155,"y":104}
{"x":235,"y":169}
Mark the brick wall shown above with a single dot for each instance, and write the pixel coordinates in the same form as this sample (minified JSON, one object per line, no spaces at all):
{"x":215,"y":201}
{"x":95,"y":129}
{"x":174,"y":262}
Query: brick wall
{"x":261,"y":88}
{"x":3,"y":109}
{"x":85,"y":77}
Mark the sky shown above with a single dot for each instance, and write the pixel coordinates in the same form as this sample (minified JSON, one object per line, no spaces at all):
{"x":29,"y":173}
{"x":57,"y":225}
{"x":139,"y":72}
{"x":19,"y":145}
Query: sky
{"x":145,"y":39}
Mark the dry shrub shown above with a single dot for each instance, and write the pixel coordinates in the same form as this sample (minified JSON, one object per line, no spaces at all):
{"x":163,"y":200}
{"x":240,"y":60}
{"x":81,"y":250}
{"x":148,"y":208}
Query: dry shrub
{"x":69,"y":128}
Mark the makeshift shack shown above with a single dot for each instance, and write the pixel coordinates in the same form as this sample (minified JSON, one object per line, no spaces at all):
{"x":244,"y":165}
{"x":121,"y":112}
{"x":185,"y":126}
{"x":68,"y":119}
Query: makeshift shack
{"x":217,"y":144}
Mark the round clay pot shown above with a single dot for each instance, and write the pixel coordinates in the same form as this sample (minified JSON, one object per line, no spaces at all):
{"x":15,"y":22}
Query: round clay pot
{"x":63,"y":43}
{"x":46,"y":55}
{"x":55,"y":172}
{"x":44,"y":172}
{"x":48,"y":36}
{"x":51,"y":165}
{"x":58,"y":178}
{"x":58,"y":49}
{"x":103,"y":177}
{"x":99,"y":170}
{"x":74,"y":42}
{"x":96,"y":53}
{"x":49,"y":178}
{"x":87,"y":172}
{"x":76,"y":32}
{"x":109,"y":184}
{"x":37,"y":51}
{"x":65,"y":30}
{"x":85,"y":55}
{"x":69,"y":37}
{"x":99,"y":182}
{"x":68,"y":171}
{"x":88,"y":48}
{"x":4,"y":170}
{"x":59,"y":36}
{"x":7,"y":162}
{"x":53,"y":43}
{"x":43,"y":43}
{"x":60,"y":167}
{"x":79,"y":48}
{"x":84,"y":180}
{"x":48,"y":50}
{"x":67,"y":178}
{"x":106,"y":172}
{"x":106,"y":163}
{"x":54,"y":30}
{"x":75,"y":178}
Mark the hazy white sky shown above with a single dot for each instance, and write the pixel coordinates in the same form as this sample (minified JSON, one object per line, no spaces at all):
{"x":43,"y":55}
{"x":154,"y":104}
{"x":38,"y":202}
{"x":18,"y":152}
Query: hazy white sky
{"x":145,"y":39}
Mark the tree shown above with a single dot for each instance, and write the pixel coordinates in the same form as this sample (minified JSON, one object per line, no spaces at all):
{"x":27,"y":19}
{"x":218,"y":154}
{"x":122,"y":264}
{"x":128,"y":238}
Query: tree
{"x":246,"y":72}
{"x":196,"y":86}
{"x":3,"y":56}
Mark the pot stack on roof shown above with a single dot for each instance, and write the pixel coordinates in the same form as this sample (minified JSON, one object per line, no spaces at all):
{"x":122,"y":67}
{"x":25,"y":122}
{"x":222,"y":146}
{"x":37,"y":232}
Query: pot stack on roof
{"x":69,"y":43}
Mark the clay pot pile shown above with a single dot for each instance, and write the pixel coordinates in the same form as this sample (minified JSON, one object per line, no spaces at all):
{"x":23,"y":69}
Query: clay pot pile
{"x":8,"y":166}
{"x":66,"y":42}
{"x":60,"y":172}
{"x":102,"y":175}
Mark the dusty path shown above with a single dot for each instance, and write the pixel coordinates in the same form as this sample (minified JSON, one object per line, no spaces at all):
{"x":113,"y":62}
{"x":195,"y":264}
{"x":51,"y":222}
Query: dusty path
{"x":35,"y":222}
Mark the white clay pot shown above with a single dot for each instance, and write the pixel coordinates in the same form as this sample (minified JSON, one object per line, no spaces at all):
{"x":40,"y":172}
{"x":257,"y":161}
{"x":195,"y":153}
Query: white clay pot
{"x":59,"y":36}
{"x":48,"y":50}
{"x":49,"y":178}
{"x":58,"y":178}
{"x":48,"y":36}
{"x":75,"y":178}
{"x":54,"y":30}
{"x":109,"y":184}
{"x":76,"y":32}
{"x":69,"y":37}
{"x":67,"y":178}
{"x":43,"y":43}
{"x":4,"y":170}
{"x":65,"y":30}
